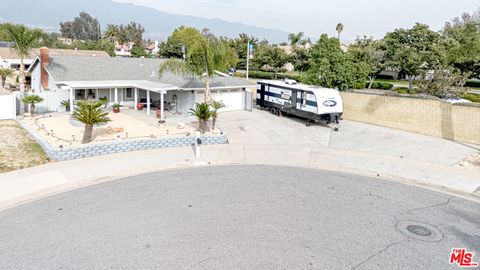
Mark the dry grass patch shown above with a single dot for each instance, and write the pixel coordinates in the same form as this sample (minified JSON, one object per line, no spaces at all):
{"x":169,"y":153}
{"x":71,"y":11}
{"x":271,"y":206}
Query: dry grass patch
{"x":17,"y":149}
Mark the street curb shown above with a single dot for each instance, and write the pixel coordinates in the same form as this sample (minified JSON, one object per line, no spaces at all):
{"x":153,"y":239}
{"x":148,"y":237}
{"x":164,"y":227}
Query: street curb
{"x":59,"y":189}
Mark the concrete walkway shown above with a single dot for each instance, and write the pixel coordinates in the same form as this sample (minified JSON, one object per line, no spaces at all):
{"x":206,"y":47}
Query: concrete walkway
{"x":260,"y":138}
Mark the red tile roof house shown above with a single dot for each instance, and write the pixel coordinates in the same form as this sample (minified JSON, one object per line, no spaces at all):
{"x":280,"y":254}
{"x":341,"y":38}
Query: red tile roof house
{"x":127,"y":81}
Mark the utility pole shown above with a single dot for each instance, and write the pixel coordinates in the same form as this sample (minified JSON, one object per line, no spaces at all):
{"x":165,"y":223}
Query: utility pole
{"x":248,"y":56}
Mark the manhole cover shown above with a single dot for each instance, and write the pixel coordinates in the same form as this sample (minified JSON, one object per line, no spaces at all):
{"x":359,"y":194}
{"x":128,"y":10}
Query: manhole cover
{"x":419,"y":230}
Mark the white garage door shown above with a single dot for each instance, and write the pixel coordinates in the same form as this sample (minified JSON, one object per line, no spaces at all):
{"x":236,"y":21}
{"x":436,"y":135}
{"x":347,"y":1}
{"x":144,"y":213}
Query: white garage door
{"x":234,"y":100}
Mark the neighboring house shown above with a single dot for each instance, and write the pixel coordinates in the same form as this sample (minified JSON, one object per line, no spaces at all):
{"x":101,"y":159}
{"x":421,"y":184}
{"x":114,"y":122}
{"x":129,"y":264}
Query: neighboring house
{"x":127,"y":81}
{"x":10,"y":59}
{"x":123,"y":50}
{"x":152,"y":47}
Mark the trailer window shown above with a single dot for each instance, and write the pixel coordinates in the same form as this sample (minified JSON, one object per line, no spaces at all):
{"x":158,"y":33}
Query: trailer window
{"x":304,"y":99}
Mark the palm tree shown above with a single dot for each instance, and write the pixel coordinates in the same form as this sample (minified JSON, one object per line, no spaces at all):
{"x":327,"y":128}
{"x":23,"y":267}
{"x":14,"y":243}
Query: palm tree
{"x":295,"y":38}
{"x":217,"y":105}
{"x":90,"y":113}
{"x":4,"y":74}
{"x":24,"y":39}
{"x":112,"y":32}
{"x":203,"y":113}
{"x":339,"y":29}
{"x":202,"y":59}
{"x":32,"y":100}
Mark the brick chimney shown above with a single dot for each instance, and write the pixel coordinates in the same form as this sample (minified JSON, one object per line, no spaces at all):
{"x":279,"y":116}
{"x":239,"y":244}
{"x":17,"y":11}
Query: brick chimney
{"x":44,"y":58}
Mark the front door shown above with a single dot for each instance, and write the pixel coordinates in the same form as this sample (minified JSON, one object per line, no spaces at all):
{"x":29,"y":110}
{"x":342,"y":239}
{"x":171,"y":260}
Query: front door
{"x":293,"y":100}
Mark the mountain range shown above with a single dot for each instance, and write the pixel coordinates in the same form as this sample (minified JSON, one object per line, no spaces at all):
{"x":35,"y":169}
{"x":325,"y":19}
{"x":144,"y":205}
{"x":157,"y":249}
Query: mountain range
{"x":47,"y":14}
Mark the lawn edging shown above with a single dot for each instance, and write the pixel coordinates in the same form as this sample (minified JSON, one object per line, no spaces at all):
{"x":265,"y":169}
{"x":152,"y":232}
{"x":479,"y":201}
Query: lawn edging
{"x":125,"y":145}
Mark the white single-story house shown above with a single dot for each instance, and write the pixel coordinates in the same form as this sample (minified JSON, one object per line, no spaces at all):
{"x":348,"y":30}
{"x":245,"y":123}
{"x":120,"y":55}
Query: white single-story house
{"x":129,"y":81}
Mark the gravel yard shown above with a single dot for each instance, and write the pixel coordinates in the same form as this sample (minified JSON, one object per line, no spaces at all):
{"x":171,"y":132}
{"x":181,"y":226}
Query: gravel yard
{"x":17,"y":149}
{"x":60,"y":129}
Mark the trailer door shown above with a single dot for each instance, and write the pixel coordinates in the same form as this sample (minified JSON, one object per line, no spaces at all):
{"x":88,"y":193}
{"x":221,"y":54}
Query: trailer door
{"x":261,"y":101}
{"x":293,"y":99}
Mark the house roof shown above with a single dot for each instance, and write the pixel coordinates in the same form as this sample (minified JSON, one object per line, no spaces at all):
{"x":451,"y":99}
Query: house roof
{"x":9,"y":53}
{"x":98,"y":69}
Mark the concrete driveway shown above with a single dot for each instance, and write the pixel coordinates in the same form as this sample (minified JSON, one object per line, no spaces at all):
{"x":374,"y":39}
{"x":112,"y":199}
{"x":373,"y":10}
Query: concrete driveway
{"x":263,"y":128}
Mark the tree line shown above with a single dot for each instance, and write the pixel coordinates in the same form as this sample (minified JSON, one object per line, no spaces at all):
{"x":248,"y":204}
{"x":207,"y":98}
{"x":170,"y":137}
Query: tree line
{"x":434,"y":62}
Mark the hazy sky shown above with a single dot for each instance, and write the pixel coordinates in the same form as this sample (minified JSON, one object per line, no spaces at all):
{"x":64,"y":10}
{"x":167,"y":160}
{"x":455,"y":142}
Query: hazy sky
{"x":314,"y":17}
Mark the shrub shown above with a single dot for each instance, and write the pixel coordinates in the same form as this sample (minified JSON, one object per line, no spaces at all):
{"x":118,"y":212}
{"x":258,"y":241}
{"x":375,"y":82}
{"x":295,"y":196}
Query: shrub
{"x":472,"y":97}
{"x":473,"y":84}
{"x":382,"y":85}
{"x":402,"y":90}
{"x":360,"y":85}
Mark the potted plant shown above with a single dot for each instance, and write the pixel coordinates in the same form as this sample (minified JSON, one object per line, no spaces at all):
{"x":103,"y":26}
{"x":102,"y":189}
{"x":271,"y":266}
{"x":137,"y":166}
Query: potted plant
{"x":103,"y":102}
{"x":32,"y":100}
{"x":116,"y":108}
{"x":139,"y":106}
{"x":66,"y":105}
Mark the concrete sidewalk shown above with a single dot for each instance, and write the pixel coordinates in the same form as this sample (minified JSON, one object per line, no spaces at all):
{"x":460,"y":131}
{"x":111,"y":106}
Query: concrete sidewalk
{"x":263,"y":139}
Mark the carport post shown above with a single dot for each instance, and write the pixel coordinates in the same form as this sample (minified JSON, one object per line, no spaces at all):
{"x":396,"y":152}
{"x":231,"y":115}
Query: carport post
{"x":148,"y":102}
{"x":162,"y":117}
{"x":135,"y":94}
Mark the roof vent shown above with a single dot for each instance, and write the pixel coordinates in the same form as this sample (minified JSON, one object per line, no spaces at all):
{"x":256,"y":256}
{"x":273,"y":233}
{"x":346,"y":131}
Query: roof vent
{"x":289,"y":81}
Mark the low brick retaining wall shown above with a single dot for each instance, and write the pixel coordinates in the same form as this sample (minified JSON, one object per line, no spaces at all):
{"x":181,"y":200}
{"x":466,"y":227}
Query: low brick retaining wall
{"x":459,"y":122}
{"x":125,"y":145}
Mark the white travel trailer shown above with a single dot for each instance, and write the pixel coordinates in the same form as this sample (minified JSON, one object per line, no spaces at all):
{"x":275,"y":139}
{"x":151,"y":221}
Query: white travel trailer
{"x":309,"y":102}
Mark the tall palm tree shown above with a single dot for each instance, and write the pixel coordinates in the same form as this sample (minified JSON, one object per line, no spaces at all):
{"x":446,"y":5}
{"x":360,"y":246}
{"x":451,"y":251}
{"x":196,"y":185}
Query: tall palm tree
{"x":112,"y":32}
{"x":339,"y":29}
{"x":295,"y":38}
{"x":202,"y":59}
{"x":4,"y":74}
{"x":217,"y":105}
{"x":90,"y":113}
{"x":203,"y":113}
{"x":24,"y":39}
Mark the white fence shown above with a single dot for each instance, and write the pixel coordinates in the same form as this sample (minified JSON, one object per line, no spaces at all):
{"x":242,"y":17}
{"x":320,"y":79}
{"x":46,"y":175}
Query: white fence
{"x":8,"y":107}
{"x":51,"y":101}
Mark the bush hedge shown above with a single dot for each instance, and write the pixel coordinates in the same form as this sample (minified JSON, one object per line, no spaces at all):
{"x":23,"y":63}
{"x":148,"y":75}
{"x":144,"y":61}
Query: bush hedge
{"x":382,"y":86}
{"x":405,"y":90}
{"x":269,"y":75}
{"x":360,"y":85}
{"x":473,"y":84}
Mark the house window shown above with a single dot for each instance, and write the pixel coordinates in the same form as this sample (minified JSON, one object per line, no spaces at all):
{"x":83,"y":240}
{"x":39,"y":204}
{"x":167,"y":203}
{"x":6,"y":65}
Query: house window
{"x":129,"y":93}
